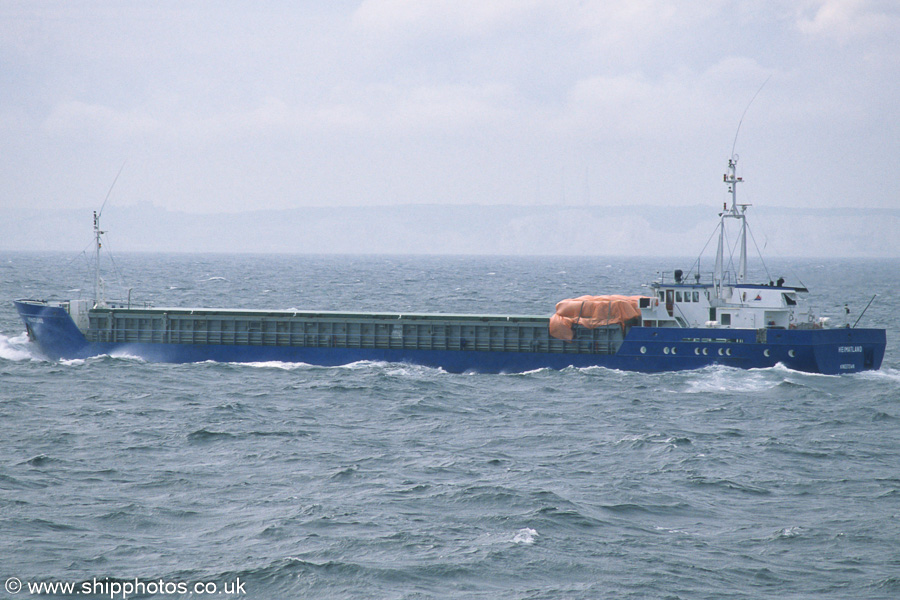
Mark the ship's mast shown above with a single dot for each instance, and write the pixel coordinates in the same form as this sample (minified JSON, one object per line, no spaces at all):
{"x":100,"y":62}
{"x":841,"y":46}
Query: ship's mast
{"x":736,"y":211}
{"x":97,"y":244}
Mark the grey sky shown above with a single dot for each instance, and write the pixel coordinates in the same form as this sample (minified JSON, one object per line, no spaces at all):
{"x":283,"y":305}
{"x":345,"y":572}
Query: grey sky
{"x":227,"y":106}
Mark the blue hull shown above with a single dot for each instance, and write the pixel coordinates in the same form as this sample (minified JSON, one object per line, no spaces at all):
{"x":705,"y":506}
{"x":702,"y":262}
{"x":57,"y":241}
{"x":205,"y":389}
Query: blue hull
{"x":648,"y":349}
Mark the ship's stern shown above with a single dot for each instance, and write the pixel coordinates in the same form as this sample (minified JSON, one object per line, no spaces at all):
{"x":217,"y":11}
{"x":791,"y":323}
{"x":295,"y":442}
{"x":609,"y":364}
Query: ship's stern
{"x":850,"y":350}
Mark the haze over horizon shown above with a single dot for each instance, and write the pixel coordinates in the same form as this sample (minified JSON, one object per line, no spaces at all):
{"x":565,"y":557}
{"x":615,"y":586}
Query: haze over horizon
{"x":572,"y":230}
{"x":226,"y":107}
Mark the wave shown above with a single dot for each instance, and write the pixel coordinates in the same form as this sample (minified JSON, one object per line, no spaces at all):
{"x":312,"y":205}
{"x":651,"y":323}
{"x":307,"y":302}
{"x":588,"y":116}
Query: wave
{"x":884,"y":374}
{"x":727,"y":485}
{"x":269,"y":364}
{"x":719,"y":378}
{"x":205,"y":435}
{"x":18,"y":348}
{"x":597,"y":370}
{"x":525,"y":535}
{"x":655,"y":440}
{"x":115,"y":356}
{"x":635,"y":508}
{"x":390,"y":369}
{"x":539,"y":371}
{"x":788,"y":533}
{"x":124,"y":355}
{"x":782,"y":368}
{"x":41,"y":460}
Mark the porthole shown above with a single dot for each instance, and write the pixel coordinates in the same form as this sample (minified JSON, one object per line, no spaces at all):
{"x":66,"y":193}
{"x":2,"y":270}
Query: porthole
{"x":791,"y":353}
{"x":674,"y":349}
{"x":666,"y":350}
{"x":728,"y":351}
{"x":697,"y":351}
{"x":643,"y":349}
{"x":766,"y":353}
{"x":721,"y":352}
{"x":706,"y":352}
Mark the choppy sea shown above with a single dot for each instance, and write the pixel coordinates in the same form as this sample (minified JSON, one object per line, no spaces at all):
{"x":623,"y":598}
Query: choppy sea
{"x":378,"y":480}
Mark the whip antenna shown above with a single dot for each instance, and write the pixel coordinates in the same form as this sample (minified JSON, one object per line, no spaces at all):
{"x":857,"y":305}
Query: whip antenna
{"x":734,"y":145}
{"x":864,"y":310}
{"x":105,"y":200}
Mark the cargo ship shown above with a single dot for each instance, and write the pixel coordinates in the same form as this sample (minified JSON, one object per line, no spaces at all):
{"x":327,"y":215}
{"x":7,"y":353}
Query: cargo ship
{"x":680,"y":323}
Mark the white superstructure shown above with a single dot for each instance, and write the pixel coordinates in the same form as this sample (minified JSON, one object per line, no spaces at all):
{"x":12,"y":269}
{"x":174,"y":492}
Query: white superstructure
{"x":728,"y":302}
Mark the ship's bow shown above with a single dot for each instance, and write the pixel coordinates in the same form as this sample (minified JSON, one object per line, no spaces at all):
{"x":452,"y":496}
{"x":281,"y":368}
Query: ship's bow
{"x":51,"y":327}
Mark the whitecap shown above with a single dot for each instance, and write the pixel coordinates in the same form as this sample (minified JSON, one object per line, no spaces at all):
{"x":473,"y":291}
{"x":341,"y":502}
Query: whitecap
{"x":122,"y":355}
{"x":668,"y":530}
{"x":17,"y":348}
{"x":728,"y":379}
{"x":789,"y":532}
{"x":363,"y":364}
{"x":531,"y":372}
{"x":598,"y":369}
{"x":885,"y":374}
{"x":126,"y":356}
{"x":391,"y":369}
{"x":411,"y":370}
{"x":780,"y":367}
{"x":273,"y":364}
{"x":525,"y":536}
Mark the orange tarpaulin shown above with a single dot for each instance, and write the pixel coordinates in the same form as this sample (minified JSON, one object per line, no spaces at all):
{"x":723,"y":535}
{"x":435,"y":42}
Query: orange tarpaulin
{"x":592,"y":312}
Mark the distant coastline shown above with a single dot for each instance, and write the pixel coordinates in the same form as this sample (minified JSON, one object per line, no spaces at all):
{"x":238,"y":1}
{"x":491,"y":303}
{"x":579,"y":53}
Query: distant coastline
{"x":456,"y":229}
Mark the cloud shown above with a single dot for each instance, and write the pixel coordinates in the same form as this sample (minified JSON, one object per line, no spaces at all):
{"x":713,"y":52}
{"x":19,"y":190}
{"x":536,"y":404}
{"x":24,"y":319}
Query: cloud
{"x":634,"y":104}
{"x":427,"y":16}
{"x":438,"y":100}
{"x":443,"y":108}
{"x":76,"y":116}
{"x":623,"y":24}
{"x":383,"y":109}
{"x":611,"y":19}
{"x":844,"y":20}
